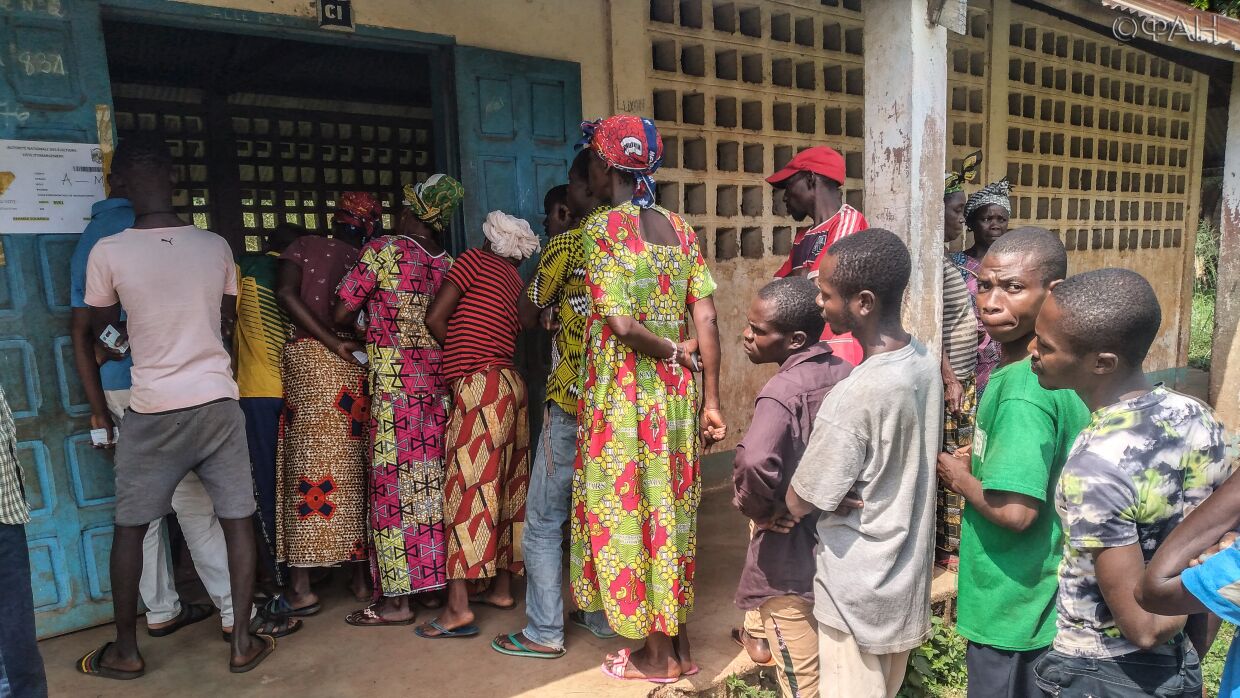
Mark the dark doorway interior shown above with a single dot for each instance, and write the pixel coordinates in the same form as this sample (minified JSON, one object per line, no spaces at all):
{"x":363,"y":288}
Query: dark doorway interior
{"x":266,"y":130}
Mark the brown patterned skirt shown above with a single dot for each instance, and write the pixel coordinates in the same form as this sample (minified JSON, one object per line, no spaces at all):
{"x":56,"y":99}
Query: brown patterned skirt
{"x":322,"y":459}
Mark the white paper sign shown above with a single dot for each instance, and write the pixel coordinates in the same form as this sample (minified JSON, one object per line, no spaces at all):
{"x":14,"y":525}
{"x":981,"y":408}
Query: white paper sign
{"x":48,"y":187}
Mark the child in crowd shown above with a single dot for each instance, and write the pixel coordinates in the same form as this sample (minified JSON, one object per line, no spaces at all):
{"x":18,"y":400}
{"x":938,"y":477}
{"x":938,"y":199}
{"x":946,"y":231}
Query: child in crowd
{"x":784,"y":325}
{"x":869,"y":470}
{"x":1010,"y":534}
{"x":1191,"y":574}
{"x":474,"y":317}
{"x":1147,"y":458}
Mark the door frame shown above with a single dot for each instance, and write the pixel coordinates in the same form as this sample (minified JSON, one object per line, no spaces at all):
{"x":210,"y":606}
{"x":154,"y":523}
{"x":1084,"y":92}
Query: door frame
{"x":436,"y":47}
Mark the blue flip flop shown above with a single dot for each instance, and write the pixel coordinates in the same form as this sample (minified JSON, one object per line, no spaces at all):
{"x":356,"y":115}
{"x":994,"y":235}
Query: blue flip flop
{"x":463,"y":631}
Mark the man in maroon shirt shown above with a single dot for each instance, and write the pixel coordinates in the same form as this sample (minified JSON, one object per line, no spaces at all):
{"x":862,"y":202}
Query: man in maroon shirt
{"x":778,"y":578}
{"x":811,"y":184}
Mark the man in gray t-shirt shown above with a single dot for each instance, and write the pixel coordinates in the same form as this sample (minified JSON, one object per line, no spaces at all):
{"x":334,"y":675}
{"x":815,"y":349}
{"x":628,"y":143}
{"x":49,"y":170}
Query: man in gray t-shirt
{"x":869,"y":470}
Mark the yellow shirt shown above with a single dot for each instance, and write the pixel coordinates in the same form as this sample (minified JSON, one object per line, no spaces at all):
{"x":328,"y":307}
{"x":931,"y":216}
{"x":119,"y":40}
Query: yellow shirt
{"x":262,"y":327}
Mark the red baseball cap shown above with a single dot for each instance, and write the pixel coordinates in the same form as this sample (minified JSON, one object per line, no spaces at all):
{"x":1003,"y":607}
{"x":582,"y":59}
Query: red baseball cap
{"x":819,"y":159}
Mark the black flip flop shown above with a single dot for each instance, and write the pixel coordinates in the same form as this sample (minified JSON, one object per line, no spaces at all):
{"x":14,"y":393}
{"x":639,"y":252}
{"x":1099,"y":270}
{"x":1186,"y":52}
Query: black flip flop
{"x":273,"y":626}
{"x":278,"y":606}
{"x":258,"y":659}
{"x":444,"y":633}
{"x":92,"y":665}
{"x":190,"y":613}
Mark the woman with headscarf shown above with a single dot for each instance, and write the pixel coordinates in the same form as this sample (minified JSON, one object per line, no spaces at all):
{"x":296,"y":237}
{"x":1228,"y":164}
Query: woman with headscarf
{"x":959,"y":365}
{"x":322,"y":454}
{"x":986,"y":213}
{"x":637,"y":484}
{"x":474,"y":316}
{"x":393,"y":285}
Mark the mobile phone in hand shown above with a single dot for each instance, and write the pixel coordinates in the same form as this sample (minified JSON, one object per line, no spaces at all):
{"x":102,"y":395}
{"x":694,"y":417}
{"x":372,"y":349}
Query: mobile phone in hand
{"x":361,"y":357}
{"x":112,"y":339}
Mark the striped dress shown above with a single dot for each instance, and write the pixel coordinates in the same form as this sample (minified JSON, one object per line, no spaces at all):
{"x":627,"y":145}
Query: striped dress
{"x":487,"y":471}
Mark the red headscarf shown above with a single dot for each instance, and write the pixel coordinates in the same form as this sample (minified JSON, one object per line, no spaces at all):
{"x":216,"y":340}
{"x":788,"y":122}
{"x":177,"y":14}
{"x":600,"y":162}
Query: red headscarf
{"x":628,"y":143}
{"x":360,"y":210}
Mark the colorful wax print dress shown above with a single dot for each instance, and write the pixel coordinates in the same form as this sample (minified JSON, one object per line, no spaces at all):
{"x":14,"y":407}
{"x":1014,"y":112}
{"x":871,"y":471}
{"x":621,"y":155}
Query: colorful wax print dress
{"x":637,"y":483}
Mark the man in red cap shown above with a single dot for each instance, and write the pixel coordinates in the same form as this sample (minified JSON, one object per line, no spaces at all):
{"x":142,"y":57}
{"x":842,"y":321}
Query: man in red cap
{"x":811,"y":183}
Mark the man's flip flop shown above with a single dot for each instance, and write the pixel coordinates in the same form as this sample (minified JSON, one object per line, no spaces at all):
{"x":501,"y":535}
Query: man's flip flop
{"x":92,"y":665}
{"x":190,"y":613}
{"x":442,"y":632}
{"x":579,"y":618}
{"x":258,"y":659}
{"x":279,"y":606}
{"x":522,"y":650}
{"x":617,"y":667}
{"x":368,"y":617}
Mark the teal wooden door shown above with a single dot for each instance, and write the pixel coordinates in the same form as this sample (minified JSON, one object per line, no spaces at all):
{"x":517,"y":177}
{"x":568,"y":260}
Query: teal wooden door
{"x":55,"y":78}
{"x":518,"y":118}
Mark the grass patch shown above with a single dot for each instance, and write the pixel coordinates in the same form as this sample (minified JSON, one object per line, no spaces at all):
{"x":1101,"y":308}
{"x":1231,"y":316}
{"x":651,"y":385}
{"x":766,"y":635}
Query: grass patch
{"x":1212,"y":664}
{"x":1201,"y":336}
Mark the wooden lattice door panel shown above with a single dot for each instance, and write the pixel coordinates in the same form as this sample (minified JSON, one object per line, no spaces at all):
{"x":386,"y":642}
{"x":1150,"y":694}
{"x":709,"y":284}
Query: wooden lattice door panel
{"x":182,"y":122}
{"x":292,"y":164}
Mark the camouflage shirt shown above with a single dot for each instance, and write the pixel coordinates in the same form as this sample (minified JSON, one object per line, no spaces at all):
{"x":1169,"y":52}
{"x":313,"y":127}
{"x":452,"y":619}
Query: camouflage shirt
{"x":1133,"y":474}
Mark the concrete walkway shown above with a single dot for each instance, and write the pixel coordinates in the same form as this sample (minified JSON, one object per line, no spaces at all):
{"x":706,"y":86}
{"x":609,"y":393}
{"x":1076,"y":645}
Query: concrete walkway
{"x":330,"y":658}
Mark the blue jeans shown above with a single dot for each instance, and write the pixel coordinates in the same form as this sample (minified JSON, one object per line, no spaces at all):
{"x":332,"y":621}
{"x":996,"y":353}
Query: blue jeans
{"x":547,"y":507}
{"x":1171,"y":671}
{"x":21,"y":666}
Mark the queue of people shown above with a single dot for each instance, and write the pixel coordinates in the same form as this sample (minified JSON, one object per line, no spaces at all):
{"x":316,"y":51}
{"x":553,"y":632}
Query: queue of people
{"x":371,"y":414}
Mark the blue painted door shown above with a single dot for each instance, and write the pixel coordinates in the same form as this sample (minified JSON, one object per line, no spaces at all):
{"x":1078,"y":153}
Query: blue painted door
{"x":518,"y":118}
{"x":55,"y":80}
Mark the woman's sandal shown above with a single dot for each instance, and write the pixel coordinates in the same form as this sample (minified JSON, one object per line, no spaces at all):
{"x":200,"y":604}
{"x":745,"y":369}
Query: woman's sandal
{"x":370,"y":617}
{"x":616,"y":667}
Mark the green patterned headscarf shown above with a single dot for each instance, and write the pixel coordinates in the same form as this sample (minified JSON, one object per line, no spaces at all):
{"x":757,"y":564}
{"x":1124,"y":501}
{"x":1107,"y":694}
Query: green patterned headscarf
{"x":434,"y":200}
{"x":954,"y":181}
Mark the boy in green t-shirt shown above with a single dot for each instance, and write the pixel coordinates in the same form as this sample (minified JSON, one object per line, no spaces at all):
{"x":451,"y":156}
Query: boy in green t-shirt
{"x":1010,"y":535}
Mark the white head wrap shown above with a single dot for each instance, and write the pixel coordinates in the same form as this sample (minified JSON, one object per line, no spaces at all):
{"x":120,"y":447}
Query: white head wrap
{"x":510,"y":236}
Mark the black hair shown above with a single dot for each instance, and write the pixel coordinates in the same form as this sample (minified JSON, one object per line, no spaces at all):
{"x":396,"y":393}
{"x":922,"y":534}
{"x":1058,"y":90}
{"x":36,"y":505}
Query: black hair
{"x":141,"y":150}
{"x":874,"y":260}
{"x":794,"y":301}
{"x":581,"y":164}
{"x":283,"y":235}
{"x":555,"y":195}
{"x":1111,"y":310}
{"x":1042,"y":246}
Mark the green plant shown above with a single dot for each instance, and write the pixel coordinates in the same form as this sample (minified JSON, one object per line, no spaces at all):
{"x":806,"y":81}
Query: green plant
{"x":1205,"y":257}
{"x":1201,"y":331}
{"x":1227,"y":8}
{"x":936,"y":669}
{"x":738,"y":687}
{"x":1212,"y":663}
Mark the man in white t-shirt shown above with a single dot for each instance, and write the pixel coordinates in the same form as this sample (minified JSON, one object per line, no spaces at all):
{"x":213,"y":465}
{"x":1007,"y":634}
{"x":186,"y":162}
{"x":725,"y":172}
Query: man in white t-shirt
{"x":869,"y":468}
{"x":178,"y":285}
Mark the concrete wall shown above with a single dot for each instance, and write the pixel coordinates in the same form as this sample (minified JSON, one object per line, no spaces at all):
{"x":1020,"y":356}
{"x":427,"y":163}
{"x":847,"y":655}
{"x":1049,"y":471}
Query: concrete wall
{"x":570,"y":30}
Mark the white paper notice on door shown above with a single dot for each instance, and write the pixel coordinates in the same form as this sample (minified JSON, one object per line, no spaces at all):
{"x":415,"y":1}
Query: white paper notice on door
{"x":48,"y":187}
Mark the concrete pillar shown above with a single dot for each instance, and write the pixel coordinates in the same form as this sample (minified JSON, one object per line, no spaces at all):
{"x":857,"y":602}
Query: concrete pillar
{"x":1225,"y":359}
{"x":905,"y":147}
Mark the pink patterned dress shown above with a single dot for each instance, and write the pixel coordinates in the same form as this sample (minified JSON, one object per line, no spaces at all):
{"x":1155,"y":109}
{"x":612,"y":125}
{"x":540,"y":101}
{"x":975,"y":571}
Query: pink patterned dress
{"x":395,"y":280}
